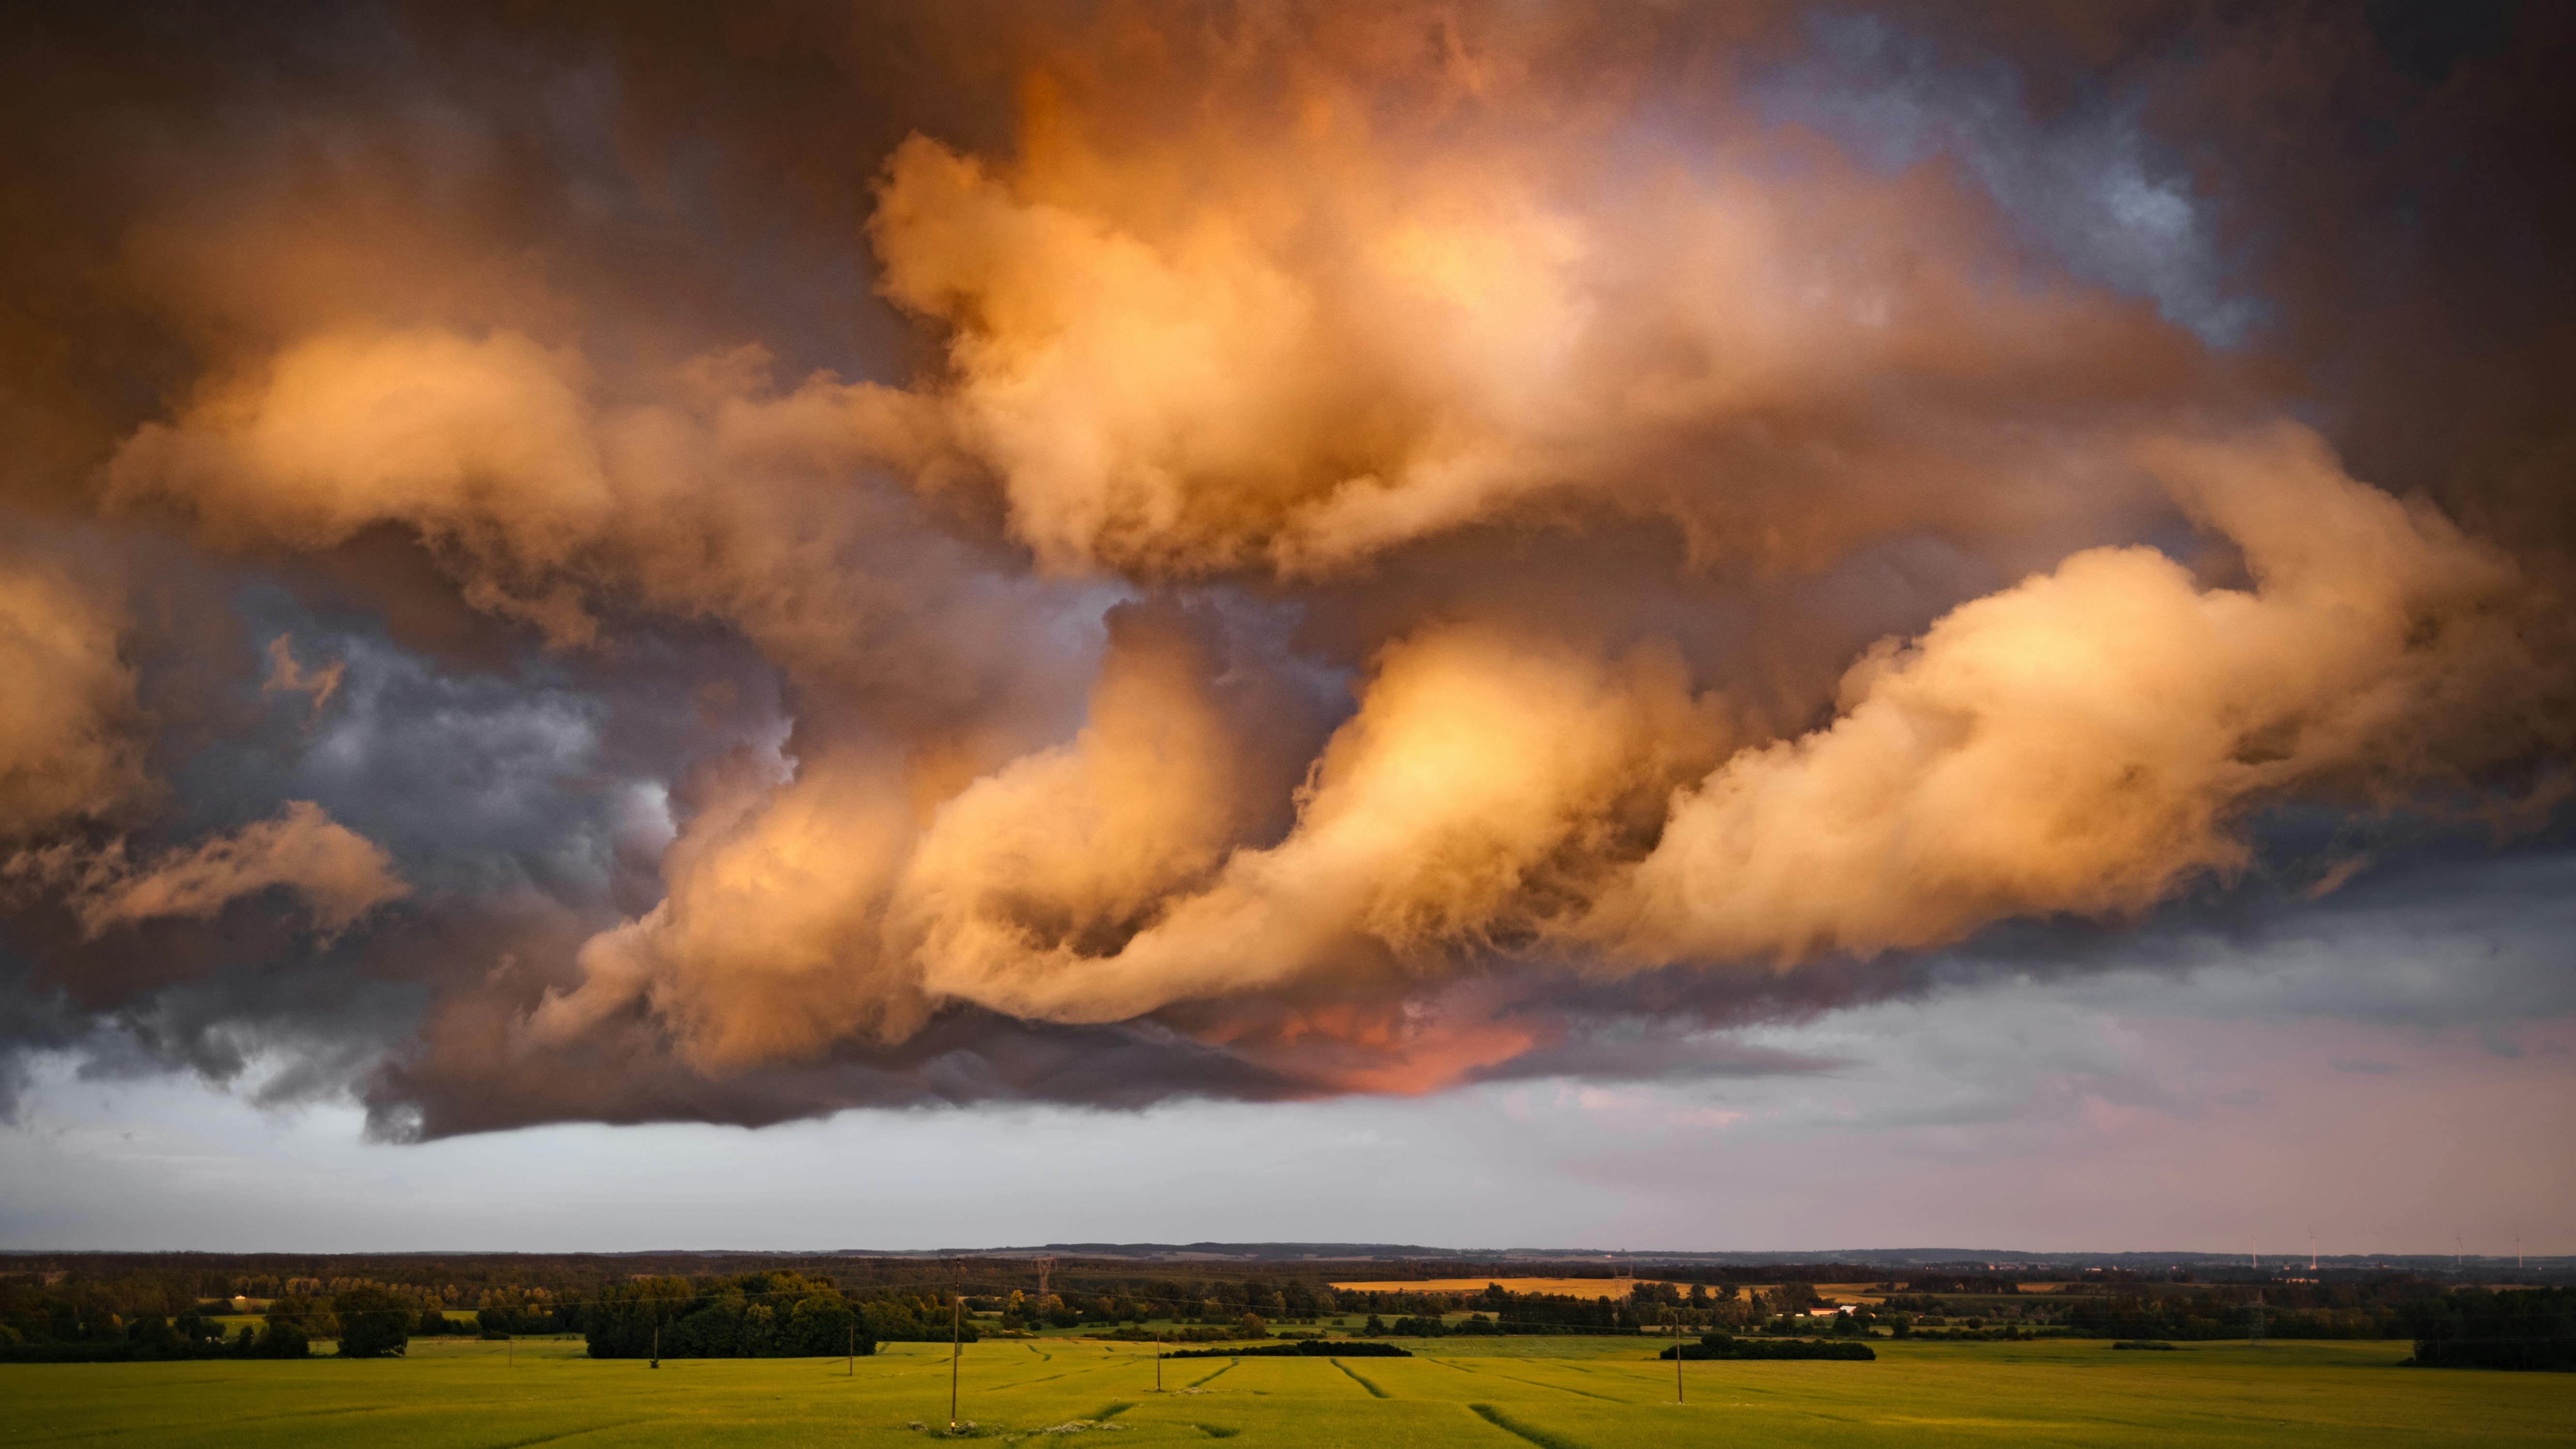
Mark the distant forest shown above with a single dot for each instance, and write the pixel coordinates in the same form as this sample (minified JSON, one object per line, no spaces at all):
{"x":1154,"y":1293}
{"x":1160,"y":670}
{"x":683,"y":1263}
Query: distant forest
{"x":121,"y":1305}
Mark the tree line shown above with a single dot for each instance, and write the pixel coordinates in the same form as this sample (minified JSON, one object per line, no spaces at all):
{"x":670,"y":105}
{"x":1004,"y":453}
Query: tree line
{"x":2529,"y":1328}
{"x":167,"y":1306}
{"x":779,"y":1314}
{"x":367,"y":1320}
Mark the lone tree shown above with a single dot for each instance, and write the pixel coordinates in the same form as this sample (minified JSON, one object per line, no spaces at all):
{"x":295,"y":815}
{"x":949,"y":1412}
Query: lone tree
{"x":373,"y":1322}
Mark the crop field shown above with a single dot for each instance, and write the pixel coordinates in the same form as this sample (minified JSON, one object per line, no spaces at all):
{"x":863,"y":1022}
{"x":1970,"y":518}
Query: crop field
{"x":1577,"y":1287}
{"x":1511,"y":1394}
{"x":1607,"y":1287}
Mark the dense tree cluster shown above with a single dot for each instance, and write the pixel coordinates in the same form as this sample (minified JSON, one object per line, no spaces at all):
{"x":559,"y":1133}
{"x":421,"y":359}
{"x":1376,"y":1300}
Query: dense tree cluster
{"x":2533,"y":1328}
{"x":2371,"y":1308}
{"x":758,"y":1315}
{"x":91,"y":1322}
{"x":509,"y":1311}
{"x":374,"y":1321}
{"x":1982,"y":1284}
{"x":1433,"y":1326}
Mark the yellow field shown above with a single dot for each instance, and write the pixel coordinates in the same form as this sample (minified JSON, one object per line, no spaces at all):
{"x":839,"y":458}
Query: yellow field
{"x":1868,"y":1293}
{"x":1579,"y":1287}
{"x":1606,"y":1392}
{"x":1871,"y":1293}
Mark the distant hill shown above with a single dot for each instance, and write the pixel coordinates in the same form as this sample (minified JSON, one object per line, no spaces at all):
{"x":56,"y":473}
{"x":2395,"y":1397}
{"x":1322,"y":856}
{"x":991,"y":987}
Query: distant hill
{"x":1386,"y":1260}
{"x":1988,"y":1258}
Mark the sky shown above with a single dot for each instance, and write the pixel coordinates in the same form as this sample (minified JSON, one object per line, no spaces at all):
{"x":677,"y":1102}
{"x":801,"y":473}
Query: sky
{"x":1758,"y":627}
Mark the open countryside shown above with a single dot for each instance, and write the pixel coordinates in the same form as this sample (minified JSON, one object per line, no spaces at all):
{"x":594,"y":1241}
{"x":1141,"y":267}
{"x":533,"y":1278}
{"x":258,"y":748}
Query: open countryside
{"x":503,"y":1351}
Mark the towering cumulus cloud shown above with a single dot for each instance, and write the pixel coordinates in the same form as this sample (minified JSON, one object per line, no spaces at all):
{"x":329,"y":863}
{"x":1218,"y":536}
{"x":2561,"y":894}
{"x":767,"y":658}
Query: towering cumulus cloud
{"x":1251,"y":550}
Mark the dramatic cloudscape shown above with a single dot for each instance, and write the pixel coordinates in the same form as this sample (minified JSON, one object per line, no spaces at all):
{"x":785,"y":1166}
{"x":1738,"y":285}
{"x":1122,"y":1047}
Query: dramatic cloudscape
{"x":824,"y":624}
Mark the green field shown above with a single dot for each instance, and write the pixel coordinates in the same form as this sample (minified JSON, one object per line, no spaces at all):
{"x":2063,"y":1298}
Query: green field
{"x":1508,"y":1394}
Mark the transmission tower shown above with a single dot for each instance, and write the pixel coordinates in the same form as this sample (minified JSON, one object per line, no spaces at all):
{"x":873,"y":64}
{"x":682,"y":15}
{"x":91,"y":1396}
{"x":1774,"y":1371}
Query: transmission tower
{"x":956,"y":1333}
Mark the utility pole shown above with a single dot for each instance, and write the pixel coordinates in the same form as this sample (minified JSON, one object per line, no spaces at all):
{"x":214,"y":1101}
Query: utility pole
{"x":956,"y":1346}
{"x":854,"y":1351}
{"x":657,"y":1347}
{"x":2256,"y":1337}
{"x":1677,"y":1360}
{"x":1158,"y":1360}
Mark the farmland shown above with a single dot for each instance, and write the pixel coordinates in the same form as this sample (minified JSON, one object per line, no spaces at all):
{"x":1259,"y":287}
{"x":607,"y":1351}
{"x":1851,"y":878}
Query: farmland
{"x":1587,"y":1393}
{"x":1572,"y":1287}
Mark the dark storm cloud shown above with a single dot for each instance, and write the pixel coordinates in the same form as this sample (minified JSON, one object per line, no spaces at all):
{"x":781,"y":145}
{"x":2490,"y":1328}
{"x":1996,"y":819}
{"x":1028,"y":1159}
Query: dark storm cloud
{"x":629,"y":1075}
{"x":735,"y":641}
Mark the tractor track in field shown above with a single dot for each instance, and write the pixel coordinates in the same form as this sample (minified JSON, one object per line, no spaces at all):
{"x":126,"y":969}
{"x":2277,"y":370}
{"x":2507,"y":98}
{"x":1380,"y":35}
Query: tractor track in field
{"x":1374,"y":1391}
{"x":345,"y":1409}
{"x":1543,"y":1438}
{"x":567,"y":1434}
{"x":1560,"y":1388}
{"x":1050,"y":1378}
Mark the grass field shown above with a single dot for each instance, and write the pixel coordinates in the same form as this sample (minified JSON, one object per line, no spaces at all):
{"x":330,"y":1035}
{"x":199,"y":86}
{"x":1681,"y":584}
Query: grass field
{"x":1508,"y":1394}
